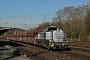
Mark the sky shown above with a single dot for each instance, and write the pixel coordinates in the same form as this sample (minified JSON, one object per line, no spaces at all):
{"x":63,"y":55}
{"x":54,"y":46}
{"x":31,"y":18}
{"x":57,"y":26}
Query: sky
{"x":26,"y":13}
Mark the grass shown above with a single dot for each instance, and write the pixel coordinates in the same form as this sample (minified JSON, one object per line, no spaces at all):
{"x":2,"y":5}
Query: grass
{"x":1,"y":58}
{"x":16,"y":52}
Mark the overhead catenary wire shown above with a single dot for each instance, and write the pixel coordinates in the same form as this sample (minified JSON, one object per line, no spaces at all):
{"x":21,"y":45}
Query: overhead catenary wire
{"x":35,"y":8}
{"x":28,"y":6}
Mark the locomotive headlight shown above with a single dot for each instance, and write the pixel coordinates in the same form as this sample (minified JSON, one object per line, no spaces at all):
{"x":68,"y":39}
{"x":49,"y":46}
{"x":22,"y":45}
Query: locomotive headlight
{"x":67,"y":41}
{"x":62,"y":44}
{"x":52,"y":41}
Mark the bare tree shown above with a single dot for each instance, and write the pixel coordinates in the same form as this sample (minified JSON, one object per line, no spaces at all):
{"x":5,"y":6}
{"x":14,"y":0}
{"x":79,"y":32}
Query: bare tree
{"x":87,"y":19}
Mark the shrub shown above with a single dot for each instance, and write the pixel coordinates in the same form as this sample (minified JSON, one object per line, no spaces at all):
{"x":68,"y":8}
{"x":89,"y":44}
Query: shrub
{"x":1,"y":58}
{"x":16,"y":52}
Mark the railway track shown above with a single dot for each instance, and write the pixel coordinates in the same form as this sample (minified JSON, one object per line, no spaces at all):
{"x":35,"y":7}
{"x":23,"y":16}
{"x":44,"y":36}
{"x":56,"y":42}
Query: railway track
{"x":78,"y":55}
{"x":80,"y":51}
{"x":81,"y":46}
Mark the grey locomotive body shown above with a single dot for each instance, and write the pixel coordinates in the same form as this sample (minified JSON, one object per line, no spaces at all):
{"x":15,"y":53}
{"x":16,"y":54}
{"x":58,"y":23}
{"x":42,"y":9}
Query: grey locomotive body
{"x":52,"y":38}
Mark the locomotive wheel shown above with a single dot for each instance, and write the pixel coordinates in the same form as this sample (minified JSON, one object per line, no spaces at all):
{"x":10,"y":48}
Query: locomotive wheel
{"x":37,"y":44}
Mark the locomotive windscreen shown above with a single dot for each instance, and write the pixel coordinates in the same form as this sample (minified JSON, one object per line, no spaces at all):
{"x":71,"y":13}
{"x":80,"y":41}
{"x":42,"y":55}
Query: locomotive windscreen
{"x":52,"y":28}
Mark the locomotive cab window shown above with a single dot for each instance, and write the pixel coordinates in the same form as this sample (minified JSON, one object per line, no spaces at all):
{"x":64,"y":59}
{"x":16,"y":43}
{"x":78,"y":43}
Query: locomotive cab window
{"x":51,"y":29}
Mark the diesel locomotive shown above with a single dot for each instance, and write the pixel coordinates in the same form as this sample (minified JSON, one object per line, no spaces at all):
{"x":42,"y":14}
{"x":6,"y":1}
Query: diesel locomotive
{"x":52,"y":38}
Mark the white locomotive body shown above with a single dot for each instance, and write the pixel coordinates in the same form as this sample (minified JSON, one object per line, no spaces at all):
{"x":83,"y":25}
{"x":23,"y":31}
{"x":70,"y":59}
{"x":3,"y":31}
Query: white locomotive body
{"x":52,"y":38}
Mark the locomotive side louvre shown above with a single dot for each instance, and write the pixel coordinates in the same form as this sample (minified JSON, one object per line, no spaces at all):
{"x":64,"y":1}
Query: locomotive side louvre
{"x":53,"y":38}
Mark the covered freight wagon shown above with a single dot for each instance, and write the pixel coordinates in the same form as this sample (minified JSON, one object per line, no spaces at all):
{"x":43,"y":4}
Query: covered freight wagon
{"x":33,"y":34}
